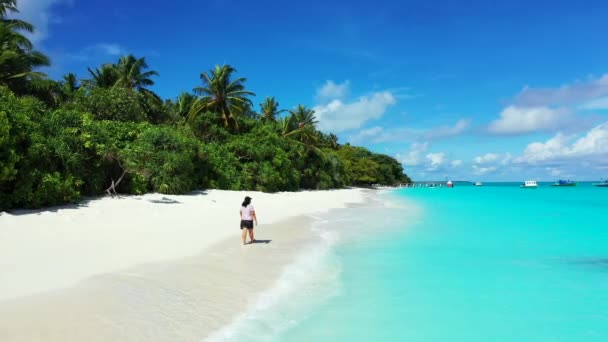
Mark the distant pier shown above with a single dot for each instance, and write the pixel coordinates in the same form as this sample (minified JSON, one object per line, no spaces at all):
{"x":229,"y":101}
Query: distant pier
{"x":433,"y":184}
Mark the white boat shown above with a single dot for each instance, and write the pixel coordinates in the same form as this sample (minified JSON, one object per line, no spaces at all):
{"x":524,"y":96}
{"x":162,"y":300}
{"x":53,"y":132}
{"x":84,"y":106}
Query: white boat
{"x":529,"y":184}
{"x":478,"y":183}
{"x":450,"y":184}
{"x":602,"y":184}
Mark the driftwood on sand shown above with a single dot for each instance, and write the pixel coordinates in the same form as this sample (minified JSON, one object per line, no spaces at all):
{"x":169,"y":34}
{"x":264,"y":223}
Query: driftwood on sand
{"x":111,"y":190}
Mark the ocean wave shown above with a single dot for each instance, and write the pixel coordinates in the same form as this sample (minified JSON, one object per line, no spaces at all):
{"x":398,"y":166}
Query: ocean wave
{"x":315,"y":276}
{"x":308,"y":281}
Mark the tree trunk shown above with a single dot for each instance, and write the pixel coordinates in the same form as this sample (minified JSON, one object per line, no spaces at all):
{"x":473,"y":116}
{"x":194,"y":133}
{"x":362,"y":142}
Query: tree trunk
{"x":111,"y":190}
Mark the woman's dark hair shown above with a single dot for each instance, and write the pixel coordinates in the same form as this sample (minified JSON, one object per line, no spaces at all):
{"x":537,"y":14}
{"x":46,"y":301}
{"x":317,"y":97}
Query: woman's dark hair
{"x":247,"y":201}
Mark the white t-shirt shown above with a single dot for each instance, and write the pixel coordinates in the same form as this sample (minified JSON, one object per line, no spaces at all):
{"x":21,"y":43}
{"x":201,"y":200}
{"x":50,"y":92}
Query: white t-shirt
{"x":247,"y":213}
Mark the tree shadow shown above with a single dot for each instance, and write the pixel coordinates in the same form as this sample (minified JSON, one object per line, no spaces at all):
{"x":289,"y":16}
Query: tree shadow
{"x":85,"y":203}
{"x":164,"y":200}
{"x":21,"y":212}
{"x":196,"y":193}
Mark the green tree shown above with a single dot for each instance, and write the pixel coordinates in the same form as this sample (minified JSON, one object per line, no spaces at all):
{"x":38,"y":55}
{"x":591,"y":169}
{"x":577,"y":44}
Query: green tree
{"x":18,"y":59}
{"x":104,"y":77}
{"x":270,"y":109}
{"x":10,"y":6}
{"x":300,"y":126}
{"x":222,"y":95}
{"x":304,"y":117}
{"x":34,"y":163}
{"x":172,"y":160}
{"x":131,"y":75}
{"x":108,"y":104}
{"x":184,"y":104}
{"x":70,"y":84}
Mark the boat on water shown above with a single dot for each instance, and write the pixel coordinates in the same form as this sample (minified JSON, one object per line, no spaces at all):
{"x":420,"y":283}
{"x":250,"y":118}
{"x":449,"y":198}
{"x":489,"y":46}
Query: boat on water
{"x":478,"y":183}
{"x":529,"y":184}
{"x":562,"y":182}
{"x":602,"y":184}
{"x":450,"y":184}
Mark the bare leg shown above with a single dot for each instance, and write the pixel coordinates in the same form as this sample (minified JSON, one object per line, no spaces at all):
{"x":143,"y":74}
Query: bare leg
{"x":251,"y":234}
{"x":244,"y":235}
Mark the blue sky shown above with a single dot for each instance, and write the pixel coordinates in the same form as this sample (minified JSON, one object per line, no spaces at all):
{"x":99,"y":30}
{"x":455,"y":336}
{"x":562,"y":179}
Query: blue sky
{"x":471,"y":90}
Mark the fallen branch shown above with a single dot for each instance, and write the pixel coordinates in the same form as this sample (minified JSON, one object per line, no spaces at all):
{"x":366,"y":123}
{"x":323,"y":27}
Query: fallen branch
{"x":111,"y":190}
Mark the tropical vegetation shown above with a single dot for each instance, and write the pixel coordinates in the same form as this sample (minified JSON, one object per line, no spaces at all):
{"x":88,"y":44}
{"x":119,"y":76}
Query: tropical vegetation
{"x":110,"y":133}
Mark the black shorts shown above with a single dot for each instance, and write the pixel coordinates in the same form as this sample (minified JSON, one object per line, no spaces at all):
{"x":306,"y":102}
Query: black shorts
{"x":246,"y":224}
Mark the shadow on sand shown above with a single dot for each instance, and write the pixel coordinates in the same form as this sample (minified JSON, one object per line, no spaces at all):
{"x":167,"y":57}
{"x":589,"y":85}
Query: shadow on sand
{"x":19,"y":212}
{"x":164,"y":200}
{"x":260,"y":241}
{"x":85,"y":203}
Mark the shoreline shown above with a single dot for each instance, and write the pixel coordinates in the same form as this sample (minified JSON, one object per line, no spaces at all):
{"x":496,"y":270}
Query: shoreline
{"x":180,"y":300}
{"x":171,"y":298}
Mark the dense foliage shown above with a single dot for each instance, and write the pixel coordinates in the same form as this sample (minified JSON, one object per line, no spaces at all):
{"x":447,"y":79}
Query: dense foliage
{"x":61,"y":140}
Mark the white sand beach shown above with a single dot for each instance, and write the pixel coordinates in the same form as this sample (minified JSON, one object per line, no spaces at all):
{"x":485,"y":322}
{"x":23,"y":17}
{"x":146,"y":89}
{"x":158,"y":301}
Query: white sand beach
{"x":150,"y":268}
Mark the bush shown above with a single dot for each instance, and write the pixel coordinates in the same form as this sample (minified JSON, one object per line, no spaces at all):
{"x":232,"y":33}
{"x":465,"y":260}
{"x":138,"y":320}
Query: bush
{"x":264,"y":160}
{"x":206,"y":127}
{"x":108,"y":104}
{"x":172,"y":160}
{"x":20,"y":130}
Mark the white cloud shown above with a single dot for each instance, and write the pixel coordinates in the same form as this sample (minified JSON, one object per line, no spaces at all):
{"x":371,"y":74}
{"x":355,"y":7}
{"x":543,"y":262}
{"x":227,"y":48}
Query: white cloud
{"x":601,"y":103}
{"x":418,"y":157}
{"x":490,"y":162}
{"x":457,"y":163}
{"x":575,"y":93}
{"x":110,"y":49}
{"x":553,"y":109}
{"x":518,"y":120}
{"x":413,"y":157}
{"x":550,"y":149}
{"x":339,"y":116}
{"x":594,"y":142}
{"x":485,"y":159}
{"x":333,"y":91}
{"x":449,"y":131}
{"x":482,"y":170}
{"x":373,"y":134}
{"x":93,"y":52}
{"x":561,"y":147}
{"x":435,"y":161}
{"x":555,"y":172}
{"x":379,"y":134}
{"x":38,"y":13}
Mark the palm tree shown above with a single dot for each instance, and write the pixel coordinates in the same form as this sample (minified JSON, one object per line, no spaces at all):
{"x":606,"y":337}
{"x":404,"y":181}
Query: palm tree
{"x":300,"y":126}
{"x":270,"y":109}
{"x":287,"y":125}
{"x":104,"y":77}
{"x":18,"y":59}
{"x":184,"y":104}
{"x":228,"y":98}
{"x":10,"y":6}
{"x":131,"y":74}
{"x":304,"y":116}
{"x":69,"y":83}
{"x":333,"y":141}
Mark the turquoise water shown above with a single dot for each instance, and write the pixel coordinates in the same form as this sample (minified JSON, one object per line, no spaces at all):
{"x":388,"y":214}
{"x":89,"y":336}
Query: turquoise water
{"x":491,"y":263}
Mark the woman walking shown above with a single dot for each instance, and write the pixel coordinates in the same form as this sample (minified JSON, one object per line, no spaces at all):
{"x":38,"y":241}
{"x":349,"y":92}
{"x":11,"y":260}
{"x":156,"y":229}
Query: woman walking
{"x":247,"y":219}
